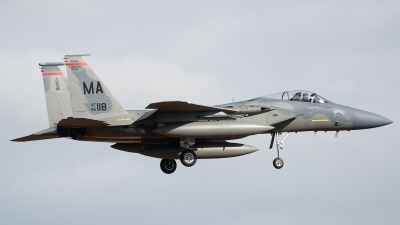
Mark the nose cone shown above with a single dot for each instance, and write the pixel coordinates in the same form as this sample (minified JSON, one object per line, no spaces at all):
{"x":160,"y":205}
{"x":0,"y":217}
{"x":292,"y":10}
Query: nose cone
{"x":365,"y":120}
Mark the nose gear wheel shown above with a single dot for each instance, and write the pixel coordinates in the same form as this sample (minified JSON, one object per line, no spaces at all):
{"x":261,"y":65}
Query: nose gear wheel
{"x":278,"y":163}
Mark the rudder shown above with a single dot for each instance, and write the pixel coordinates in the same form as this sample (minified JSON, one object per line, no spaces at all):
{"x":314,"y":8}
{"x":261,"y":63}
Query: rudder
{"x":57,"y":93}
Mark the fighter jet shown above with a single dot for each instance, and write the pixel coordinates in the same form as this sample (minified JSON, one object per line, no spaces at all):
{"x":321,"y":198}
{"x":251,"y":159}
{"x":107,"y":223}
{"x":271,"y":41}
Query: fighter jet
{"x":82,"y":108}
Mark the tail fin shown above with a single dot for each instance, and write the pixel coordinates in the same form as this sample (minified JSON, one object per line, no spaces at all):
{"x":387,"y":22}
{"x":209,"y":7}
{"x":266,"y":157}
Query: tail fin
{"x":57,"y":94}
{"x":90,"y":97}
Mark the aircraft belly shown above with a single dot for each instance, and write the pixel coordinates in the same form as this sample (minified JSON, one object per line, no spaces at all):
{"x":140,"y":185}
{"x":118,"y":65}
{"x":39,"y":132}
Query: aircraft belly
{"x":116,"y":132}
{"x":134,"y":148}
{"x":111,"y":140}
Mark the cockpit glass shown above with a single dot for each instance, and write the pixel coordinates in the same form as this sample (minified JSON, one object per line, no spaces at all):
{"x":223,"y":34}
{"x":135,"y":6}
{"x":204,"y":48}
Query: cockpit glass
{"x":299,"y":96}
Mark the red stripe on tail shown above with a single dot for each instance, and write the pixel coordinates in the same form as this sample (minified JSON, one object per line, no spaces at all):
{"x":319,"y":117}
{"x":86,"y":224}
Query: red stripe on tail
{"x":76,"y":64}
{"x":52,"y":74}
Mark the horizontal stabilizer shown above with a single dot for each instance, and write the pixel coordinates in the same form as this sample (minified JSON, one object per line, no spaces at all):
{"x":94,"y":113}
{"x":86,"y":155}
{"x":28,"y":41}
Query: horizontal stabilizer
{"x":81,"y":122}
{"x":49,"y":133}
{"x":178,"y":106}
{"x":67,"y":56}
{"x":52,"y":64}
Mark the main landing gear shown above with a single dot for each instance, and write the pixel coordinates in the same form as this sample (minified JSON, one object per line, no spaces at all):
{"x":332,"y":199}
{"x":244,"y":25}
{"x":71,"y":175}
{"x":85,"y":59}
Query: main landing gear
{"x":278,"y":162}
{"x":188,"y":158}
{"x":168,"y":166}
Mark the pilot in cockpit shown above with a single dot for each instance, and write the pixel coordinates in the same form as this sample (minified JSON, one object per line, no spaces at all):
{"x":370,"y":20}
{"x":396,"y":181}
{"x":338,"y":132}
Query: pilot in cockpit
{"x":296,"y":97}
{"x":312,"y":97}
{"x":305,"y":97}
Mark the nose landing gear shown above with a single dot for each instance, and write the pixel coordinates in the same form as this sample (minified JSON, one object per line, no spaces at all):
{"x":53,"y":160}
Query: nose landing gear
{"x":278,"y":162}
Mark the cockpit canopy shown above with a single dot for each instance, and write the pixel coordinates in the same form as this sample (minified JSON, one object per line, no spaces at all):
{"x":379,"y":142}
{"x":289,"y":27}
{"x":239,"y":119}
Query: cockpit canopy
{"x":298,"y":95}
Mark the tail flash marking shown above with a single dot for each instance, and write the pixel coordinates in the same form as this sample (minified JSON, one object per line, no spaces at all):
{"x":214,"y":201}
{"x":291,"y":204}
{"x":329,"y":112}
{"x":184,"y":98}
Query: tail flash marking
{"x":76,"y":64}
{"x":53,"y":74}
{"x":90,"y":97}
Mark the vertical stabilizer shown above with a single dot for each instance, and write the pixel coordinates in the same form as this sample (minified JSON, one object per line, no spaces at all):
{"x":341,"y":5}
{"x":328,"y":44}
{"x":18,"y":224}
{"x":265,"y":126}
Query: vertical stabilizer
{"x":57,"y":93}
{"x":90,"y":97}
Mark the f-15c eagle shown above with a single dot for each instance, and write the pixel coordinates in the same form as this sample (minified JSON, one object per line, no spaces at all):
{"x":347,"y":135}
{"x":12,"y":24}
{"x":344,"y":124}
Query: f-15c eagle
{"x":83,"y":108}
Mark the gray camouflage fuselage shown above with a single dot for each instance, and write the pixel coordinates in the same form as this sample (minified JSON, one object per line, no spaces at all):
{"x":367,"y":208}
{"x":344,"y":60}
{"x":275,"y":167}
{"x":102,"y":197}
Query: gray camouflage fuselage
{"x":285,"y":116}
{"x":83,"y":108}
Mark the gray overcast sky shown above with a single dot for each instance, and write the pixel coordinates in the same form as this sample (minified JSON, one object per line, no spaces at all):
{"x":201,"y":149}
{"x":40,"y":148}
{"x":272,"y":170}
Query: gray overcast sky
{"x":205,"y":52}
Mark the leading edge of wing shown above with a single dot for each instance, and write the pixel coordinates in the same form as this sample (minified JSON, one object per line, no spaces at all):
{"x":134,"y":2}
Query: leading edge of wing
{"x":179,"y":106}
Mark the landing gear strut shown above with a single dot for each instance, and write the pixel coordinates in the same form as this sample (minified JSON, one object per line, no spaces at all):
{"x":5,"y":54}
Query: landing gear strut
{"x":168,"y":166}
{"x":278,"y":162}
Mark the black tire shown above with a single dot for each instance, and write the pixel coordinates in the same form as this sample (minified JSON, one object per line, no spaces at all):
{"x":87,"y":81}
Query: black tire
{"x":278,"y":163}
{"x":168,"y":166}
{"x":188,"y":158}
